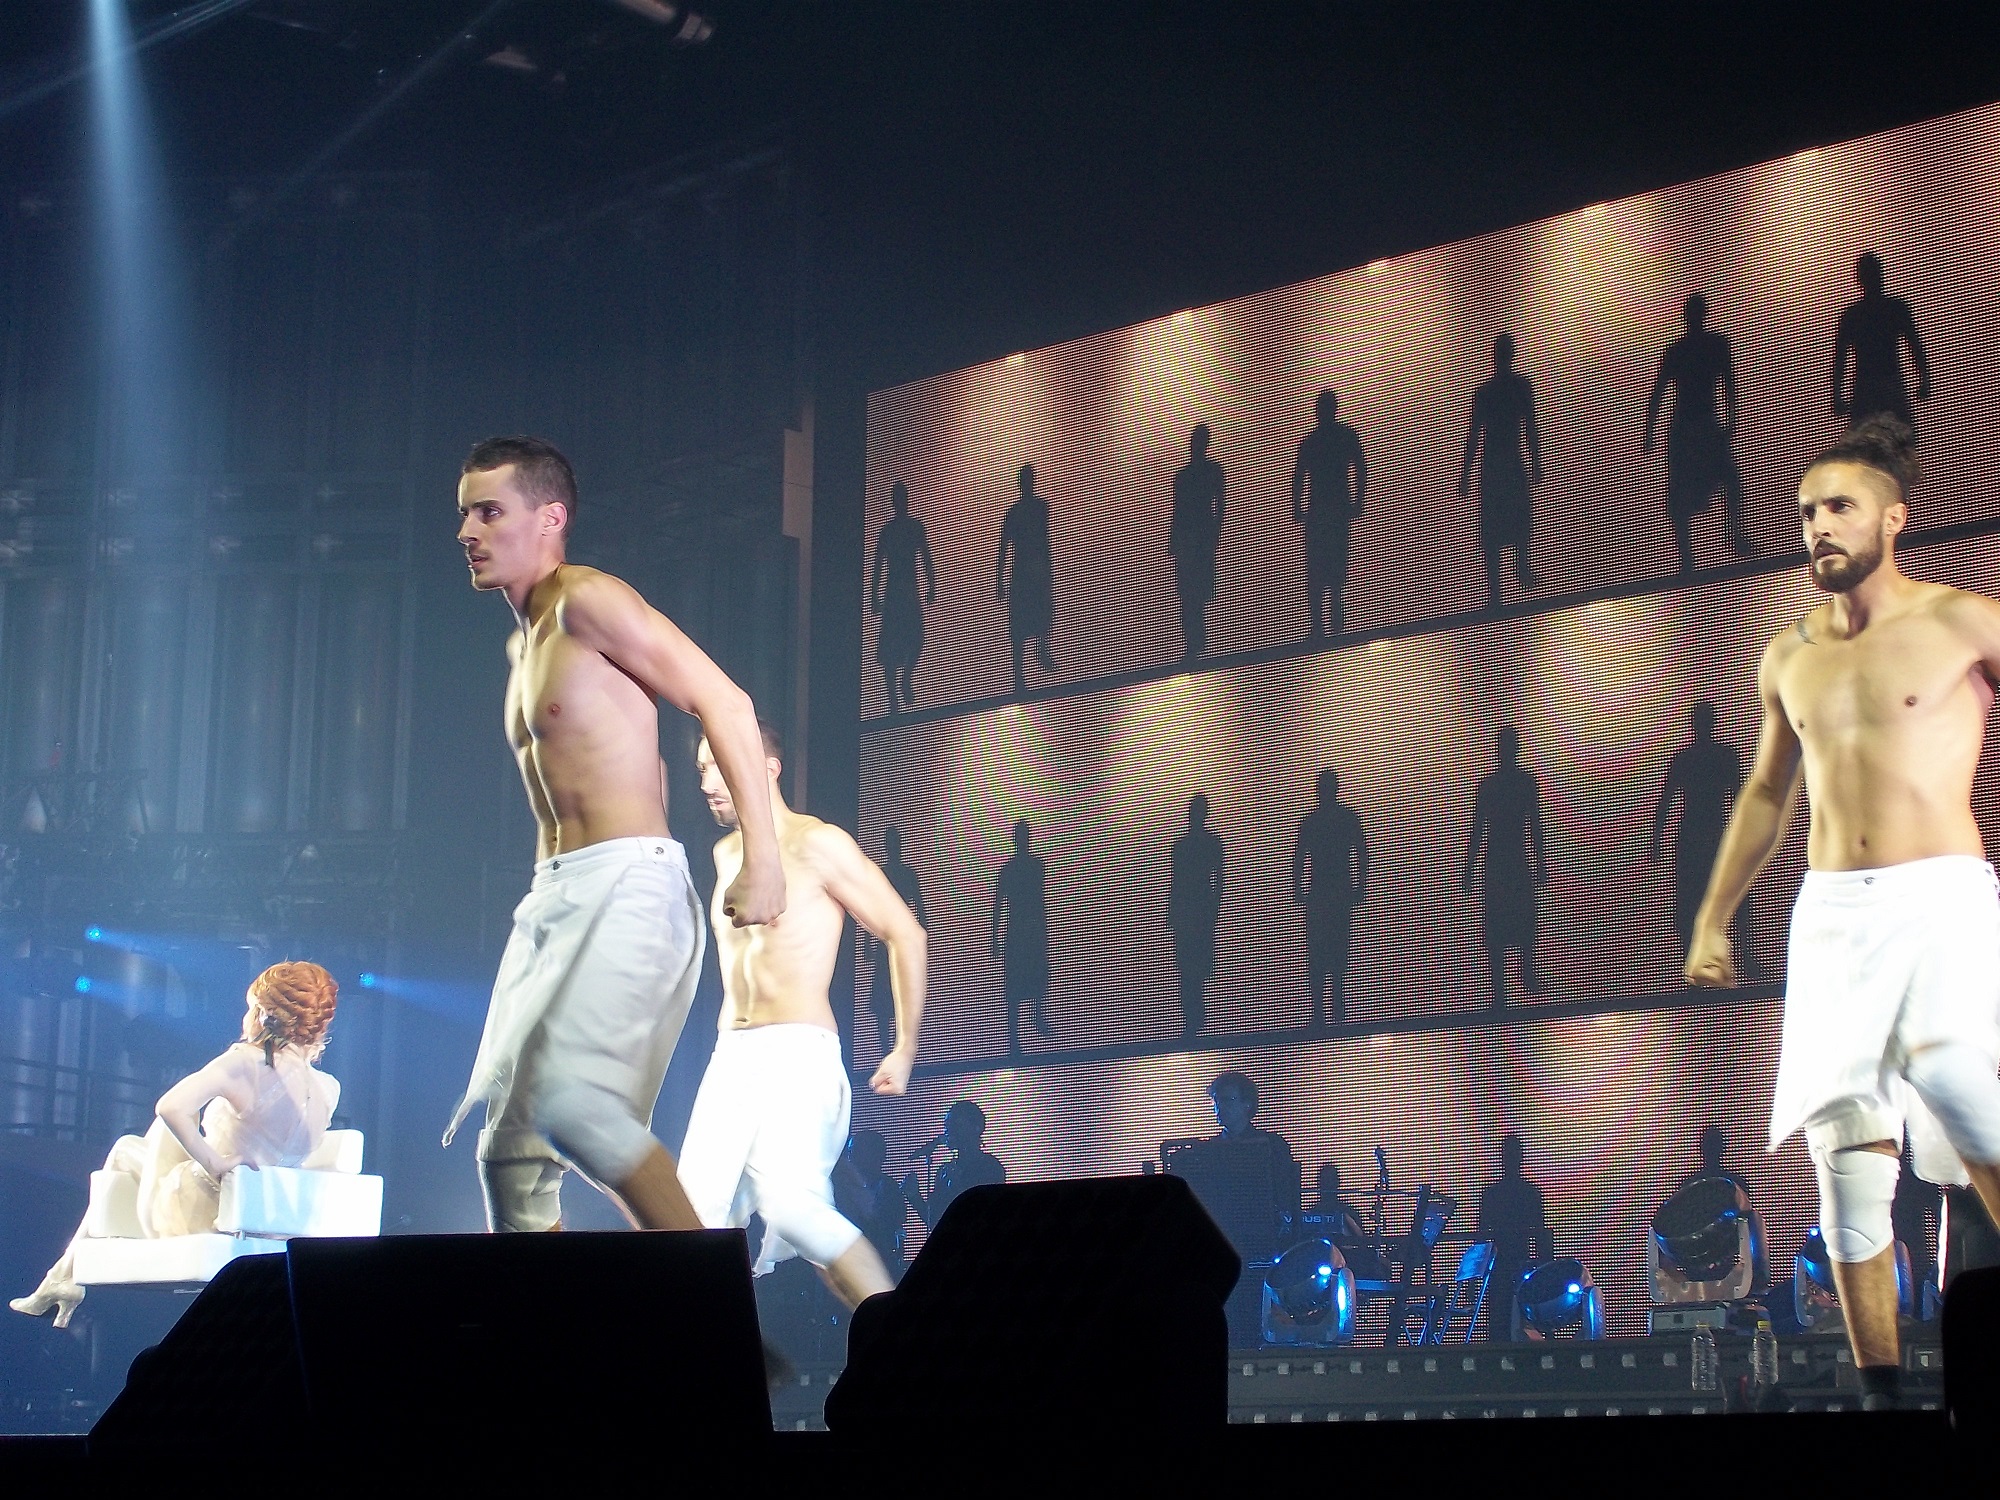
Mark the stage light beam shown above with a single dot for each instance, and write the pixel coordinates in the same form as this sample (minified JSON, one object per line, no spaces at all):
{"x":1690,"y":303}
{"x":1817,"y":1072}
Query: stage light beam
{"x":143,"y":337}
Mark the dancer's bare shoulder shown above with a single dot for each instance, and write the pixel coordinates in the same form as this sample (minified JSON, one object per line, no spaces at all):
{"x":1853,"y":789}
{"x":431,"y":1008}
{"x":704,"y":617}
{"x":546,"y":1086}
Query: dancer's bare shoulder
{"x":589,"y":598}
{"x":1975,"y":618}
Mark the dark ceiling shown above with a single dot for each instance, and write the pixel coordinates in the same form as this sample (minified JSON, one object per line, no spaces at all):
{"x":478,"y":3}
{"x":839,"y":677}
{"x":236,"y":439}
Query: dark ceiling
{"x":992,"y":176}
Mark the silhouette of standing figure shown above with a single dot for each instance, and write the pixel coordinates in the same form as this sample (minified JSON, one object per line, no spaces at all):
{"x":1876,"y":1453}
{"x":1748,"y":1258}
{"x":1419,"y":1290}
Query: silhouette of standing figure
{"x":1507,"y":827}
{"x":1194,"y":537}
{"x":1028,"y":588}
{"x":1704,"y":776}
{"x":1021,"y":936}
{"x":1194,"y":906}
{"x":1327,"y":484}
{"x":881,"y":995}
{"x":1503,"y":440}
{"x":1329,"y":879}
{"x":1874,"y":331}
{"x":1514,"y":1217}
{"x":1702,"y":374}
{"x":902,"y":550}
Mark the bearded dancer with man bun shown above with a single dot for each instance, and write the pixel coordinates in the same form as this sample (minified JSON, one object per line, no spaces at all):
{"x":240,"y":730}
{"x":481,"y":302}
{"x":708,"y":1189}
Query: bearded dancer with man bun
{"x":601,"y":966}
{"x":771,"y":1118}
{"x":1878,"y":699}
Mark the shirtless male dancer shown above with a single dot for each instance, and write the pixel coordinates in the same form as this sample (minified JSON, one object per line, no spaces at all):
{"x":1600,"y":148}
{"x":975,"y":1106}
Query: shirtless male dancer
{"x":771,"y":1118}
{"x":1892,"y":1004}
{"x":606,"y":948}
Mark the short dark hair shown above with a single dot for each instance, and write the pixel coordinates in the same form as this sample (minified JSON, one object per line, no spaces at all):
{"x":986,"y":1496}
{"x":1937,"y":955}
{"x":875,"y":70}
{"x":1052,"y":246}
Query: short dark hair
{"x":767,"y":732}
{"x":540,"y":470}
{"x":1883,"y":443}
{"x":1235,"y":1083}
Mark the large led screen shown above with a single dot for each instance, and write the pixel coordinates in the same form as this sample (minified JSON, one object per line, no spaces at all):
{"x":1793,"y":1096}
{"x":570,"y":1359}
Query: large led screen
{"x":1502,"y":701}
{"x":1593,"y":301}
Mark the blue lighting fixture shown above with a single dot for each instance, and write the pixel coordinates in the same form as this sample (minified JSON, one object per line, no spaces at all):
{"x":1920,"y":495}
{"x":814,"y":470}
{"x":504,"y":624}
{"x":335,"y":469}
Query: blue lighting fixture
{"x":1309,"y":1297}
{"x":93,"y":933}
{"x":1557,"y":1295}
{"x":83,"y":984}
{"x":1706,"y":1245}
{"x":369,"y":981}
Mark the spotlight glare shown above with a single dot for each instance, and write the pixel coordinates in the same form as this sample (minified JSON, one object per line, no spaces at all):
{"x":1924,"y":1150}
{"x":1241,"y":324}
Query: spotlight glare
{"x":369,"y":981}
{"x":93,"y":933}
{"x":83,"y":984}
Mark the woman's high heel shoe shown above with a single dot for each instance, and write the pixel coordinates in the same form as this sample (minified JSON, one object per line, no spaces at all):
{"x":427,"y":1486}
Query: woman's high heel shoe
{"x":62,"y":1296}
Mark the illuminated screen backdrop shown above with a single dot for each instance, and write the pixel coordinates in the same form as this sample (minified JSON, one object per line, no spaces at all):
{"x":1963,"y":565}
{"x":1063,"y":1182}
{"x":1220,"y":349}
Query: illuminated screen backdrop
{"x":1598,"y":665}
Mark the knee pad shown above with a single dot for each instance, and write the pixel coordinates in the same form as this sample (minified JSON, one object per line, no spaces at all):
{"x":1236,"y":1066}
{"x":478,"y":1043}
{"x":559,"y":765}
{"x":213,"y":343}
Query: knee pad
{"x":523,"y":1194}
{"x":1959,"y":1087}
{"x":594,"y":1128}
{"x":1856,"y":1187}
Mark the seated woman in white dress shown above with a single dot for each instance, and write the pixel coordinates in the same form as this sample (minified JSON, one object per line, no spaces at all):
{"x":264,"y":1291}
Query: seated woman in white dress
{"x":262,"y":1103}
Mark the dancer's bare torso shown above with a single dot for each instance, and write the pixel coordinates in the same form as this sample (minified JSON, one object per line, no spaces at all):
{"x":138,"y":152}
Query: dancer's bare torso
{"x":778,"y":973}
{"x":585,"y":734}
{"x":1887,"y":725}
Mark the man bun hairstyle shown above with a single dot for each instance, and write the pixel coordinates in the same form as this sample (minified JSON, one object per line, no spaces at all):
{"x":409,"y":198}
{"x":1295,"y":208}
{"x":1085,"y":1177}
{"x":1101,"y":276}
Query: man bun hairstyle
{"x":540,"y":471}
{"x":297,"y":1002}
{"x":1883,"y":443}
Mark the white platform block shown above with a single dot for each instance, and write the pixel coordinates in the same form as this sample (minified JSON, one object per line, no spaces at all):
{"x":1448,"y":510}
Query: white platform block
{"x":282,"y":1202}
{"x":185,"y":1258}
{"x":339,"y":1151}
{"x":114,"y":1206}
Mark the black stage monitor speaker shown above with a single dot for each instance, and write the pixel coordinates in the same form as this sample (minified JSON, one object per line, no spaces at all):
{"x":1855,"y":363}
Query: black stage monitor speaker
{"x":1972,"y":1354}
{"x":463,"y":1345}
{"x":1049,"y":1305}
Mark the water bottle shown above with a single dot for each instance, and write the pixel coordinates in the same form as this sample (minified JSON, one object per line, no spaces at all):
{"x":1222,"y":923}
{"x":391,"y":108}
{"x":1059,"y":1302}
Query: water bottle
{"x":1704,"y":1362}
{"x":1763,"y":1364}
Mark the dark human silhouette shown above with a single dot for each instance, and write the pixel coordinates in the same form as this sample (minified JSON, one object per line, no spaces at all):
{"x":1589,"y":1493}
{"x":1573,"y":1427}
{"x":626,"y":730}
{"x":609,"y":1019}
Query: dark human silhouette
{"x":1247,"y":1178}
{"x":1329,"y":879}
{"x":1339,"y":1220}
{"x":1513,"y":1216}
{"x":872,"y":1200}
{"x":902,"y":559}
{"x":1028,"y":586}
{"x":1703,"y":778}
{"x":1021,"y":936}
{"x":970,"y":1164}
{"x":1503,"y":441}
{"x":1507,"y":828}
{"x":1713,"y":1151}
{"x":1874,"y":331}
{"x":1194,"y":537}
{"x":1701,"y":373}
{"x":1328,"y":481}
{"x":881,"y":995}
{"x":1194,"y":906}
{"x":1234,"y":1096}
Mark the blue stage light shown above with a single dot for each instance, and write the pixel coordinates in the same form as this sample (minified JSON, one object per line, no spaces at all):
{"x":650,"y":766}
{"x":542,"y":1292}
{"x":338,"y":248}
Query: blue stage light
{"x":369,"y":981}
{"x":83,"y":984}
{"x":93,"y":933}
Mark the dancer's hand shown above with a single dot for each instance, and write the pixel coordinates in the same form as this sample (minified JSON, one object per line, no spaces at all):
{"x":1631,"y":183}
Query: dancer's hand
{"x":1711,"y":962}
{"x":756,"y":896}
{"x":893,"y":1074}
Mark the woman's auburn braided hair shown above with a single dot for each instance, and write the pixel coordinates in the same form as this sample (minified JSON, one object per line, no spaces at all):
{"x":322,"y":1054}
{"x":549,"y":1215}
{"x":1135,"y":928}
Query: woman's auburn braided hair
{"x":296,"y":1001}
